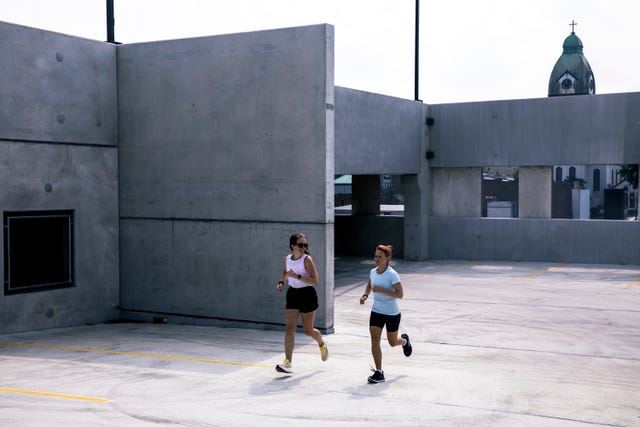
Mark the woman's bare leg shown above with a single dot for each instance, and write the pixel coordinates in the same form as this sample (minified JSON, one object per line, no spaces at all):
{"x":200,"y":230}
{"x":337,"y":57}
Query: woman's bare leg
{"x":307,"y":324}
{"x":376,"y":351}
{"x":291,"y":324}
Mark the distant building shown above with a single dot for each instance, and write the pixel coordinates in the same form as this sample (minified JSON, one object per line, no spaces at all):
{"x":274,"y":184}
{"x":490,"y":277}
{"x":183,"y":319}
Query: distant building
{"x":343,"y":190}
{"x":572,"y":75}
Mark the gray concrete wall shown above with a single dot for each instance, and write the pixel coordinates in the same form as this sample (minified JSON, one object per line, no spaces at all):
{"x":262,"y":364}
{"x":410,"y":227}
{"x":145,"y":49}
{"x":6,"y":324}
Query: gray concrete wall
{"x":209,"y":272}
{"x":56,"y":88}
{"x":548,"y":240}
{"x":359,"y":235}
{"x":457,"y":191}
{"x":534,"y":191}
{"x":417,"y":209}
{"x":418,"y":200}
{"x":58,"y":128}
{"x":226,"y":148}
{"x":580,"y":130}
{"x":365,"y":194}
{"x":377,"y":134}
{"x":599,"y":129}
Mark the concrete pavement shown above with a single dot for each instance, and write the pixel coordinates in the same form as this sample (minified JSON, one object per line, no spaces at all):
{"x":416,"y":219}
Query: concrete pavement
{"x":495,"y":344}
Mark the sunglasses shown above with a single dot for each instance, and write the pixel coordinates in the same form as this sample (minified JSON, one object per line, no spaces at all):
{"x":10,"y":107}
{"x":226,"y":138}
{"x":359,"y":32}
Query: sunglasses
{"x":302,"y":245}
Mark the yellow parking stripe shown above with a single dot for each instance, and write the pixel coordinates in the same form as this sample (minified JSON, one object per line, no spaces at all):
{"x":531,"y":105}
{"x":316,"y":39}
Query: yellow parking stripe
{"x":128,"y":353}
{"x":632,"y":284}
{"x":537,"y":273}
{"x":65,"y":396}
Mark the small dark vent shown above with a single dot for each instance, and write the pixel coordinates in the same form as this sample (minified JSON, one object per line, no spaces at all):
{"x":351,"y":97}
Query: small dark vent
{"x":38,"y":251}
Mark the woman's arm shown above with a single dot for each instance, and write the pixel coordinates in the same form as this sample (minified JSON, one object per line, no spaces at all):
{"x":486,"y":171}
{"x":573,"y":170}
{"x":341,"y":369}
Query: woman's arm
{"x":367,"y":291}
{"x":283,"y":276}
{"x":311,"y":269}
{"x":397,"y":291}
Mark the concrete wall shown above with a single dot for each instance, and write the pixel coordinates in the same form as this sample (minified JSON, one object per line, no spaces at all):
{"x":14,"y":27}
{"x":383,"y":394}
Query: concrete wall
{"x":418,"y":206}
{"x":534,"y":191}
{"x":365,"y":197}
{"x":226,"y":148}
{"x":597,"y":129}
{"x":577,"y":130}
{"x":543,"y":240}
{"x":58,"y":127}
{"x":359,"y":235}
{"x":446,"y":189}
{"x":457,"y":191}
{"x":377,"y":134}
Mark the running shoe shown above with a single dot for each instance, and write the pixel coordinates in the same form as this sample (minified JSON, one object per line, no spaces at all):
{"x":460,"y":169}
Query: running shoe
{"x":285,"y":367}
{"x":377,"y":377}
{"x":406,"y":348}
{"x":324,"y":351}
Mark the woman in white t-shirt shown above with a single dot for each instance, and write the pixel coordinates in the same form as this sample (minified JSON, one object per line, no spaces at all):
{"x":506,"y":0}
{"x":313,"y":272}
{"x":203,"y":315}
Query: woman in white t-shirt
{"x":385,"y":284}
{"x":302,"y":299}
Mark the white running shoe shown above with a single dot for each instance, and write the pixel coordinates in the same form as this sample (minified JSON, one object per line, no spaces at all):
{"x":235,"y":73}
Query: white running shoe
{"x":285,"y":367}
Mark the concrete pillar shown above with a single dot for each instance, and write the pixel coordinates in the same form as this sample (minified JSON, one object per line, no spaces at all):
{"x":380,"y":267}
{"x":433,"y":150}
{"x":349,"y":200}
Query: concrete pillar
{"x":637,"y":193}
{"x":416,"y":190}
{"x":365,"y":194}
{"x":457,"y":192}
{"x":534,"y":189}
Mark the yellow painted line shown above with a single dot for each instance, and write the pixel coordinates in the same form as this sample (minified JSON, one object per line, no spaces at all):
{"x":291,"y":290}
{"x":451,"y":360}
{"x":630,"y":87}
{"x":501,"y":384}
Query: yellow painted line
{"x":65,"y":396}
{"x":537,"y":273}
{"x":128,"y":353}
{"x":632,"y":284}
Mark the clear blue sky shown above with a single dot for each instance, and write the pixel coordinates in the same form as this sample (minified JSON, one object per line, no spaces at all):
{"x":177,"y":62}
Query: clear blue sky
{"x":470,"y":50}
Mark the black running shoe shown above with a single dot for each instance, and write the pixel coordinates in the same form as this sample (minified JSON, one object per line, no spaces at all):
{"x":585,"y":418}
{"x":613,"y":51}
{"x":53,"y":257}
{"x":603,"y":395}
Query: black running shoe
{"x":406,"y":348}
{"x":377,"y":377}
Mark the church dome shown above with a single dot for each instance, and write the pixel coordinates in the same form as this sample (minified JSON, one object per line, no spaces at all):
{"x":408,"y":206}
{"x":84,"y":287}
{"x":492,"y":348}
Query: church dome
{"x":572,"y":73}
{"x":572,"y":44}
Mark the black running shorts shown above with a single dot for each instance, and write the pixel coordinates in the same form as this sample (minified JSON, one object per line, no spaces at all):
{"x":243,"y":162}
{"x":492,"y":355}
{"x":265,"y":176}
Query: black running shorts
{"x":380,"y":320}
{"x":303,"y":299}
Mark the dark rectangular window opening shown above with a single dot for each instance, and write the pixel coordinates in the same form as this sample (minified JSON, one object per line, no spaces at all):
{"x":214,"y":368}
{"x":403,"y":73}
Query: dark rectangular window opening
{"x":38,"y":251}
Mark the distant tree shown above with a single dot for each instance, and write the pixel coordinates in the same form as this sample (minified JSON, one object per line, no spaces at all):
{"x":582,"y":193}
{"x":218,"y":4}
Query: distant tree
{"x":630,"y":174}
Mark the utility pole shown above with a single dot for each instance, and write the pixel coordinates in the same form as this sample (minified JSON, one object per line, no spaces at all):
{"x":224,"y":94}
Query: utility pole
{"x":417,"y":46}
{"x":110,"y":22}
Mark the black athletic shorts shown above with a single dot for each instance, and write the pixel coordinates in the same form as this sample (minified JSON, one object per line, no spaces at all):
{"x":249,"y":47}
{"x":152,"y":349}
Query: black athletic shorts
{"x":380,"y":320}
{"x":303,"y":299}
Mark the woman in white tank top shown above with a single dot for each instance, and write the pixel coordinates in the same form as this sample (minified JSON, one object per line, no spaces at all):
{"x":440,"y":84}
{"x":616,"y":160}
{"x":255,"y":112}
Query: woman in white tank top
{"x":302,"y":299}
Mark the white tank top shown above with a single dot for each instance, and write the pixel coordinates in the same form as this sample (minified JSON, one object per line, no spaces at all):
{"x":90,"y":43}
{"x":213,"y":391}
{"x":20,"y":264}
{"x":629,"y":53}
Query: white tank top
{"x":297,"y":266}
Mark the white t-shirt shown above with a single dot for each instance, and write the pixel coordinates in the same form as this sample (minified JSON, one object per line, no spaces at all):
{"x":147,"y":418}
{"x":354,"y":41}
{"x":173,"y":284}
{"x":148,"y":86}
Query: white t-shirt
{"x":385,"y":304}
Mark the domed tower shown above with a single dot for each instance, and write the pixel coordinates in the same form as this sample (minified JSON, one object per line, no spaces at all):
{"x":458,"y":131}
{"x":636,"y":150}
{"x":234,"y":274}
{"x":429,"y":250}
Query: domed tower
{"x":572,"y":73}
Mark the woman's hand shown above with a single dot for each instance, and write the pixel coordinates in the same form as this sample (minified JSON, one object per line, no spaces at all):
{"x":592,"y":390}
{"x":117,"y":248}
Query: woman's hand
{"x":363,"y":298}
{"x":395,"y":293}
{"x":279,"y":286}
{"x":291,"y":273}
